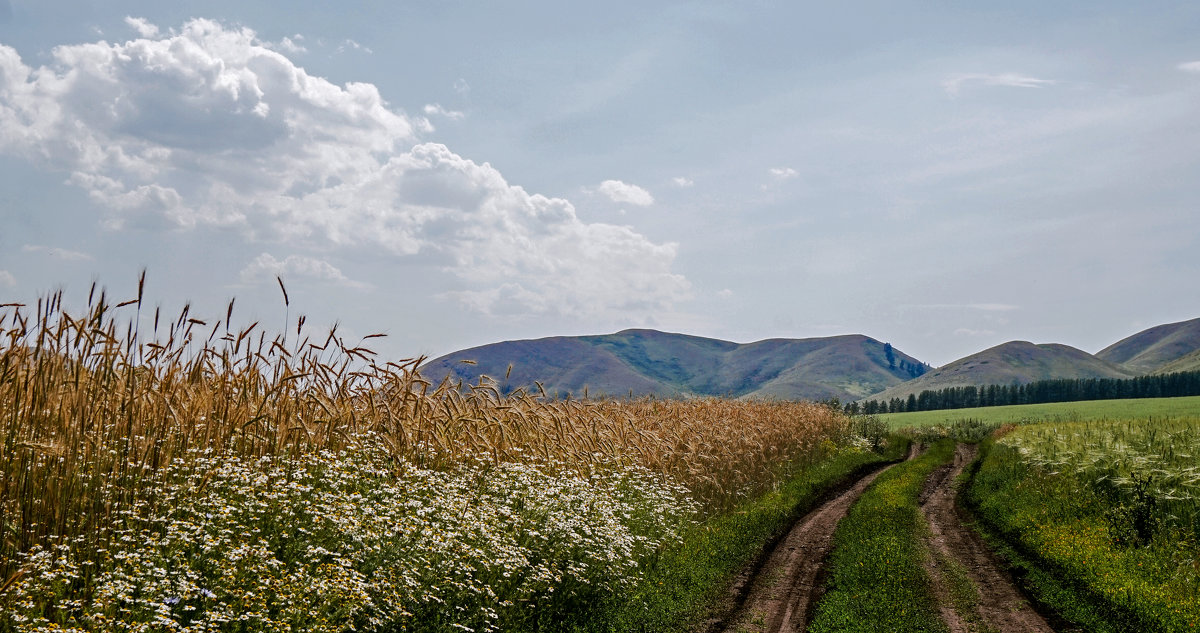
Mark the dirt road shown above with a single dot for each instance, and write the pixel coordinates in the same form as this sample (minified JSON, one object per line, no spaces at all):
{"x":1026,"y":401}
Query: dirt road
{"x":787,"y":586}
{"x":975,"y":592}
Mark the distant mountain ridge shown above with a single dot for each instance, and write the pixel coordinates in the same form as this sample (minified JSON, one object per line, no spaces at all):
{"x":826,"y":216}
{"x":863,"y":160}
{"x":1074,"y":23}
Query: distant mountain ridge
{"x":649,"y":362}
{"x":849,"y":367}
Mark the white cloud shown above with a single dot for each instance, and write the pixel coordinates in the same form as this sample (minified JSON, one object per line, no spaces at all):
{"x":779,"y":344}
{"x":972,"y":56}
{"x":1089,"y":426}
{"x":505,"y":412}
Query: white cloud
{"x":7,"y":280}
{"x":683,"y":182}
{"x":207,"y":126}
{"x":1190,"y":67}
{"x":265,"y":268}
{"x":436,"y":109}
{"x":618,"y":191}
{"x":292,"y":44}
{"x":783,"y":173}
{"x":58,"y":253}
{"x":462,"y":87}
{"x":725,"y":293}
{"x":962,"y":331}
{"x":143,"y":26}
{"x":351,"y":44}
{"x":954,"y":83}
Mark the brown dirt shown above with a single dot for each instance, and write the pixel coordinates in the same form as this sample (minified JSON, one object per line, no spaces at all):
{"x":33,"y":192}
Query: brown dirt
{"x":999,"y":606}
{"x":787,"y":586}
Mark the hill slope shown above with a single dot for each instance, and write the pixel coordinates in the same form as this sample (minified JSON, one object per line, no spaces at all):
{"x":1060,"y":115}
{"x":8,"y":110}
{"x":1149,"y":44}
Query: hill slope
{"x":649,"y":362}
{"x":1013,"y":362}
{"x":1191,"y":362}
{"x":1150,"y":350}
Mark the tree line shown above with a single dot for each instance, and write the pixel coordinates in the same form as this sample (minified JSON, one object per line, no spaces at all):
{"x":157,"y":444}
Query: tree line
{"x":1042,"y":391}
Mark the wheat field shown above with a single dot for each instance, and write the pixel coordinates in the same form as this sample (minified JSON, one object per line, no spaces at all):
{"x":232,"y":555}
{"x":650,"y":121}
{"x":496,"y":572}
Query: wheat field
{"x":117,"y":419}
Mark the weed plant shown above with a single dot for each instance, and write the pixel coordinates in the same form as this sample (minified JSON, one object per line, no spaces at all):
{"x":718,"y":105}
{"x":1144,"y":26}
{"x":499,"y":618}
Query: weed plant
{"x":970,"y":430}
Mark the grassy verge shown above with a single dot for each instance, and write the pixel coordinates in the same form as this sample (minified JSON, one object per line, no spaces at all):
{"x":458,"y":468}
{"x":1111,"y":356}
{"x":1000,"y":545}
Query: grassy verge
{"x":1057,"y":411}
{"x":876,"y":578}
{"x":687,"y":584}
{"x":1054,"y":530}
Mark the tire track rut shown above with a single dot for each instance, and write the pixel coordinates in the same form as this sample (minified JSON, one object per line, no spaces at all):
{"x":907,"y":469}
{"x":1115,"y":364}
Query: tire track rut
{"x":997,"y":605}
{"x":788,"y":585}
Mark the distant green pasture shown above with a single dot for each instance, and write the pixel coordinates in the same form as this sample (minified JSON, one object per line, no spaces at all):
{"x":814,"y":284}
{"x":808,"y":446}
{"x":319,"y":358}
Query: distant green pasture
{"x":1057,"y":411}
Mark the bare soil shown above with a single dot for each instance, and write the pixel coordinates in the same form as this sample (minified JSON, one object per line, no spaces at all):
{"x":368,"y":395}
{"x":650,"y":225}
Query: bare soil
{"x":788,"y":584}
{"x":975,"y":592}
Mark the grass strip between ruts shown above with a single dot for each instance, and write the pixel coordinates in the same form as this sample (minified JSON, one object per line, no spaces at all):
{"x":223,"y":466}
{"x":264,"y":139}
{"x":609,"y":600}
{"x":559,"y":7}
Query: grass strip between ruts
{"x":690,"y":583}
{"x":876,"y":578}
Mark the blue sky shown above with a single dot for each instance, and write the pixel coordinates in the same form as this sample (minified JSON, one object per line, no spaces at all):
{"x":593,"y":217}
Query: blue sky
{"x":942,"y":177}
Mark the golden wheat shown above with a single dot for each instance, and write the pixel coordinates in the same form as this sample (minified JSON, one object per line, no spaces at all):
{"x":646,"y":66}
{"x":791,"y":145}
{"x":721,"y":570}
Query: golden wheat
{"x":92,"y":406}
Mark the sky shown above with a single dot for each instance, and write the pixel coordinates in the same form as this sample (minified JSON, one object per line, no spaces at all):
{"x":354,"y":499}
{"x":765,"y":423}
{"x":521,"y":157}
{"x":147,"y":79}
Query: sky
{"x":941,"y":176}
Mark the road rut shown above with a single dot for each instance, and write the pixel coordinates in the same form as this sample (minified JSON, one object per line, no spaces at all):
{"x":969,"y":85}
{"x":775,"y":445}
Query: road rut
{"x":999,"y":606}
{"x":787,"y":586}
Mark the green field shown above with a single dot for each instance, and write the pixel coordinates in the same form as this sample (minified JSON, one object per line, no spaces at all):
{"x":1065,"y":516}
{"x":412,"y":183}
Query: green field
{"x":1057,"y":411}
{"x":1101,"y":517}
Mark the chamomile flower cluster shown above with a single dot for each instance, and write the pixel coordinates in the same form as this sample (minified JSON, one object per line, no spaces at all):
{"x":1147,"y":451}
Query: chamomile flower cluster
{"x":350,"y":540}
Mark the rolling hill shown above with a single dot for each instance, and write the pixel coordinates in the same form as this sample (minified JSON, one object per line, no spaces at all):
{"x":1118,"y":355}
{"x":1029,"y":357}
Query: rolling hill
{"x":649,"y":362}
{"x":1191,"y":362}
{"x":1153,"y":349}
{"x":1018,"y":362}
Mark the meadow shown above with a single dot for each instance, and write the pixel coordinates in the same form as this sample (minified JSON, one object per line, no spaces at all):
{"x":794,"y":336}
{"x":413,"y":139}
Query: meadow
{"x":1102,"y":518}
{"x":187,"y":473}
{"x":1057,"y":411}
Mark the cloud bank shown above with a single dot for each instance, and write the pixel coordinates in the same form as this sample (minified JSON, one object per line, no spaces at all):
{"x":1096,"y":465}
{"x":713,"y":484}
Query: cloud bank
{"x":209,"y":126}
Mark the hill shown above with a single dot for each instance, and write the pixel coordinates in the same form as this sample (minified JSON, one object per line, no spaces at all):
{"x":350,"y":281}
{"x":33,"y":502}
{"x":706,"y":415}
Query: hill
{"x":1151,"y":350}
{"x":1019,"y":362}
{"x":649,"y":362}
{"x":1191,"y":362}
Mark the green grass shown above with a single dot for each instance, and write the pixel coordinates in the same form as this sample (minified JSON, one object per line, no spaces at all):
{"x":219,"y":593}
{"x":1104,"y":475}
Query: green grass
{"x":688,"y":583}
{"x":1062,"y":529}
{"x":1057,"y":411}
{"x":877,"y":581}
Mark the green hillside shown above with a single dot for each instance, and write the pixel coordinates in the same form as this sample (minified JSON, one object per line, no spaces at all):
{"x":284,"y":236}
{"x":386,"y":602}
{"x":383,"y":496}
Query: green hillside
{"x":649,"y":362}
{"x":1153,"y":349}
{"x":1016,"y":362}
{"x":1190,"y":362}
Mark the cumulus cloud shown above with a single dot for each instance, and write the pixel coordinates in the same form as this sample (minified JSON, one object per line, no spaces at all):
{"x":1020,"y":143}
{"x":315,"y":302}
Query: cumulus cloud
{"x":625,"y":193}
{"x":266,"y":268}
{"x":292,"y":44}
{"x":783,"y":173}
{"x":57,"y":253}
{"x":143,"y":27}
{"x":1190,"y":67}
{"x":7,"y":280}
{"x":683,"y":182}
{"x":208,"y":126}
{"x":725,"y":293}
{"x":436,"y":109}
{"x":954,"y":83}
